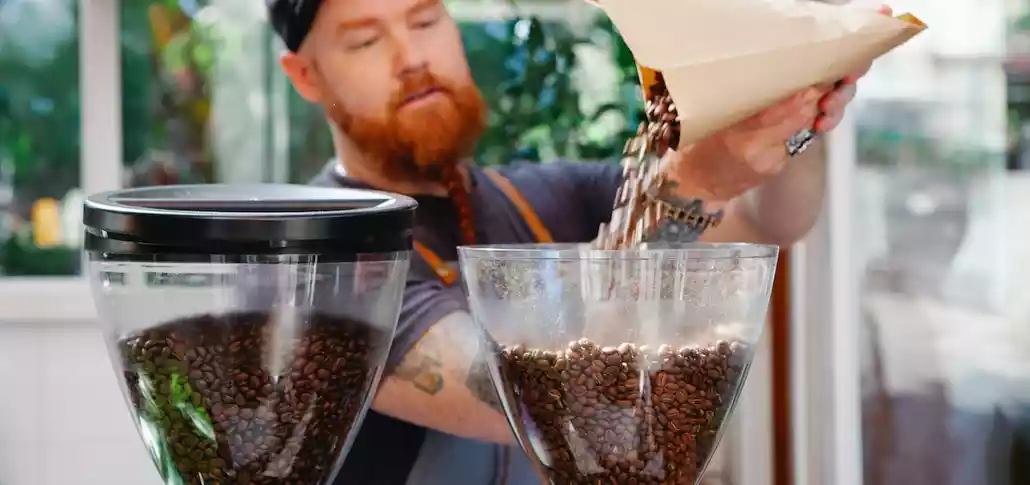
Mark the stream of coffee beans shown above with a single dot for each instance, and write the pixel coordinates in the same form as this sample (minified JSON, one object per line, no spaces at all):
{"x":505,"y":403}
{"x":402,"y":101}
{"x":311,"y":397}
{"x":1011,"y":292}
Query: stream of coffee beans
{"x":626,"y":414}
{"x":633,"y":217}
{"x":228,"y":401}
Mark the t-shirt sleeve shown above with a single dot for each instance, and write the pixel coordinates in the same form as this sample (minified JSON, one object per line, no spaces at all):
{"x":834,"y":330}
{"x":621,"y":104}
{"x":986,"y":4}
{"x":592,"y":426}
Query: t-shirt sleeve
{"x":594,"y":185}
{"x":562,"y":189}
{"x":425,"y":302}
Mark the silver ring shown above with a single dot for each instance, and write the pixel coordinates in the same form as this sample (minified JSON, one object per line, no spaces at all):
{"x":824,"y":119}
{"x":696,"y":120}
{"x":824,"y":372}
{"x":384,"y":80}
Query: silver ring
{"x":799,"y":142}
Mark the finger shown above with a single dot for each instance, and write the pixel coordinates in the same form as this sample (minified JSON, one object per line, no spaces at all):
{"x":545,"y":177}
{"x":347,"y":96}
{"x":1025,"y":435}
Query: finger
{"x":787,"y":108}
{"x":833,"y":107}
{"x":884,"y":10}
{"x":803,"y":119}
{"x":828,"y":122}
{"x":838,"y":99}
{"x":766,"y":149}
{"x":852,"y":79}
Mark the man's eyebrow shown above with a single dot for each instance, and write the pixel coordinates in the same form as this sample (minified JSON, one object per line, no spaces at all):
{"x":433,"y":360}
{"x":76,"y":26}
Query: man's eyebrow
{"x":421,"y":6}
{"x":343,"y":27}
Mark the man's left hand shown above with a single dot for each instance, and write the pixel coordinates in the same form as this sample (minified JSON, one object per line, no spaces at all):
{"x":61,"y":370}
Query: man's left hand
{"x":733,"y":161}
{"x":833,"y":104}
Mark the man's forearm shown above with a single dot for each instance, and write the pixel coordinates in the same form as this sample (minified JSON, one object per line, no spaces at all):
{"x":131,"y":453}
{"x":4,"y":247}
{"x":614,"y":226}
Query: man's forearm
{"x":444,"y":383}
{"x":784,"y":209}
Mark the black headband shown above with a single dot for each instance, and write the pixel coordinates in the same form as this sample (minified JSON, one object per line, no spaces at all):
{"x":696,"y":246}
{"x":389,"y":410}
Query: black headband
{"x":292,"y":19}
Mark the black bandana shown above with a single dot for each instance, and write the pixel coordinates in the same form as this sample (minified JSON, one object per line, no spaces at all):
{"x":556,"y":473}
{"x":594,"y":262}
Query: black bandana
{"x":292,"y":19}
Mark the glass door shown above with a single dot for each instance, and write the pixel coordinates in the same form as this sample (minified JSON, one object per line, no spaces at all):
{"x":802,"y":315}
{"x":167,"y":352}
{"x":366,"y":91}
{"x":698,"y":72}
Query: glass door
{"x":913,"y":332}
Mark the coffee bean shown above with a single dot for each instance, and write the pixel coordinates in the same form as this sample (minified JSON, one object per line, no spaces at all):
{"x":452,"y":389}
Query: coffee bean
{"x":223,"y":415}
{"x":626,"y":414}
{"x":634,"y":216}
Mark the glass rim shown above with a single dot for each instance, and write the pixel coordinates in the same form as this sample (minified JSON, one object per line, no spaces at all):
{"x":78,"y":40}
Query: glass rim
{"x":584,"y":251}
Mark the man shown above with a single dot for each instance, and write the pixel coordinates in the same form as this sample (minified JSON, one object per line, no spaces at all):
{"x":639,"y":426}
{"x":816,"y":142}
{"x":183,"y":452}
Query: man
{"x":394,"y":81}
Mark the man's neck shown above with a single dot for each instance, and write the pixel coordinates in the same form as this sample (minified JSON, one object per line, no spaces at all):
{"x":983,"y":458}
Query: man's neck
{"x":359,"y":166}
{"x":358,"y":169}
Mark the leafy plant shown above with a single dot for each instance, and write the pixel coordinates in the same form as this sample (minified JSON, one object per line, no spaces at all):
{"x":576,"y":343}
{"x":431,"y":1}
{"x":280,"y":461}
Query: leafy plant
{"x":526,"y":67}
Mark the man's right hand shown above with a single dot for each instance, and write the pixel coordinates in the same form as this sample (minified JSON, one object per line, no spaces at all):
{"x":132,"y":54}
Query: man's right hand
{"x":444,"y":383}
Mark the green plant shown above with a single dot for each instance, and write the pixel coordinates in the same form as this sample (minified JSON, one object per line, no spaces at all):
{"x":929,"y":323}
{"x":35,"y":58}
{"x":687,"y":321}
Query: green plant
{"x":167,"y":58}
{"x":525,"y":67}
{"x":39,"y":127}
{"x":526,"y":74}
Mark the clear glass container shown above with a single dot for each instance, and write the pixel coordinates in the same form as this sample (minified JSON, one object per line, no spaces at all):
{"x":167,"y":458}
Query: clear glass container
{"x":248,"y":353}
{"x":619,"y":366}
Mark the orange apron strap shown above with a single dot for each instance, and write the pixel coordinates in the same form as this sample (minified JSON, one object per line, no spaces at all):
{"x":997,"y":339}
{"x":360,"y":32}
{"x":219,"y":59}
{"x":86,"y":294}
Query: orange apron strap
{"x":528,"y":214}
{"x":446,"y":274}
{"x":440,"y":267}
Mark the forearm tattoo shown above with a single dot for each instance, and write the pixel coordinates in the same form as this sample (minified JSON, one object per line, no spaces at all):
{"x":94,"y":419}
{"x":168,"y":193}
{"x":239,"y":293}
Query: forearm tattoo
{"x":423,"y":367}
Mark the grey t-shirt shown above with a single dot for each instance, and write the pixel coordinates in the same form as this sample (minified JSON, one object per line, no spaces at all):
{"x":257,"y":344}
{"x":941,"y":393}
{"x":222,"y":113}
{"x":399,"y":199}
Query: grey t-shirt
{"x":572,"y":200}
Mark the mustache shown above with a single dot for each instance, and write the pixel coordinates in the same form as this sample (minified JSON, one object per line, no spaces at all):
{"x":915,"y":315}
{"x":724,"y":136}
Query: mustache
{"x":418,"y":84}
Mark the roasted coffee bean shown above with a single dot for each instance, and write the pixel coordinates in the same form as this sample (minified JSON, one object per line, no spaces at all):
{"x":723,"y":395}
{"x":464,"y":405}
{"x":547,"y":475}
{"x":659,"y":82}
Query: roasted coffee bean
{"x":632,"y":221}
{"x":227,"y":400}
{"x":664,"y":126}
{"x":623,"y":414}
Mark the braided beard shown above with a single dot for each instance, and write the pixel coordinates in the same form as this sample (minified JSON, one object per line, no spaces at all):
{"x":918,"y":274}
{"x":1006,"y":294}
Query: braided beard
{"x":424,"y":143}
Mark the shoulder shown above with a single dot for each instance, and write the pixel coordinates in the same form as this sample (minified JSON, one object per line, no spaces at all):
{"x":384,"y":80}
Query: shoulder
{"x":542,"y":184}
{"x":560,"y":174}
{"x":556,"y":191}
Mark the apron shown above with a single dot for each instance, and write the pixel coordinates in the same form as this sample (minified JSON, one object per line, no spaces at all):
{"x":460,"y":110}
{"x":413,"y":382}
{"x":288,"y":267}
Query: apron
{"x":449,"y":276}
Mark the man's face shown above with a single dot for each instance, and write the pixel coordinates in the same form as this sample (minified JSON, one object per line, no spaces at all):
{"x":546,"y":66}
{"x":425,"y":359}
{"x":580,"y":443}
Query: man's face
{"x":392,"y":75}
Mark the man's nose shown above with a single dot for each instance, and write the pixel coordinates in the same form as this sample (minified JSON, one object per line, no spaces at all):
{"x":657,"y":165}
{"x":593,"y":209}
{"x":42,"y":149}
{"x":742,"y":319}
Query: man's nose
{"x":408,"y":56}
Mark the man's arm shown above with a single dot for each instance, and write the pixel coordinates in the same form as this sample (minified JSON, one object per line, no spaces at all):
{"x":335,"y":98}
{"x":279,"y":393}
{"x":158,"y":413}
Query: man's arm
{"x":443,"y":383}
{"x":782,"y":210}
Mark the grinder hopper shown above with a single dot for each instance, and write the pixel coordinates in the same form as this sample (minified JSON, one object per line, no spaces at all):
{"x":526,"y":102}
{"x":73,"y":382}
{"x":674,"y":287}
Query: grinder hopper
{"x":619,"y":366}
{"x":248,"y":325}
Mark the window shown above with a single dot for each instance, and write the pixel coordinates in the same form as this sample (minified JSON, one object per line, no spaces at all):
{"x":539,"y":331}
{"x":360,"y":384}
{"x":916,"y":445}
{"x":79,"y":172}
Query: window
{"x":203,"y":97}
{"x":930,"y":183}
{"x":925,"y":235}
{"x":39,"y":138}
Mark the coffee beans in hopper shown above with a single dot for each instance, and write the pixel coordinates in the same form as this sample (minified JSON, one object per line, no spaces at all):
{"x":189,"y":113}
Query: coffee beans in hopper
{"x":626,"y":414}
{"x":230,"y":401}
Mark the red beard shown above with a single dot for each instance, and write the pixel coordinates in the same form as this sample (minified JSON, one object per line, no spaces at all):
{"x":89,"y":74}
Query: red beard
{"x":419,"y":143}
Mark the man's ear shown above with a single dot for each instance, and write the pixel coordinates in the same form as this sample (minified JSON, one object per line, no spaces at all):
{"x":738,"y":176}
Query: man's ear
{"x":303,"y":76}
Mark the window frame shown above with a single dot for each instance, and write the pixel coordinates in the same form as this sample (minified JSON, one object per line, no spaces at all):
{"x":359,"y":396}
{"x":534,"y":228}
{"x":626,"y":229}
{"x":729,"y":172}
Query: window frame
{"x":825,"y":365}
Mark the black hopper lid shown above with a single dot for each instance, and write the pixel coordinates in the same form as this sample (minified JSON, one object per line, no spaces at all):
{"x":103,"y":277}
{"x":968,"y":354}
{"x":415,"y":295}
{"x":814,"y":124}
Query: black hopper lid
{"x":252,"y":219}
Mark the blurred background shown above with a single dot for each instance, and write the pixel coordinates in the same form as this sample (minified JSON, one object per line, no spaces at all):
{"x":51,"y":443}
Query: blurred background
{"x":901,"y":347}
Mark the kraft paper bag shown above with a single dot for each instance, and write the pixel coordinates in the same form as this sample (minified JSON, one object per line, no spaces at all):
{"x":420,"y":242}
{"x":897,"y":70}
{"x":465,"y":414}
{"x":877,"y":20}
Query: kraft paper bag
{"x":726,"y":60}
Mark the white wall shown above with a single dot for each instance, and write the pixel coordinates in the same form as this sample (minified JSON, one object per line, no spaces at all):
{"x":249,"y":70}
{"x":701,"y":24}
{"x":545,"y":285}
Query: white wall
{"x":62,"y":419}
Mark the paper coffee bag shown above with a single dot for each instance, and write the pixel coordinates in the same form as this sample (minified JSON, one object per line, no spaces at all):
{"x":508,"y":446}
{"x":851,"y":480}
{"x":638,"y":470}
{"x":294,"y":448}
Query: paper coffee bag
{"x":725,"y":60}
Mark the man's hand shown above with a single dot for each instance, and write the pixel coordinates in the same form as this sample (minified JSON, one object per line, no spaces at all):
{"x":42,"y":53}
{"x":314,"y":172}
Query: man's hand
{"x":833,"y":104}
{"x":729,"y":163}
